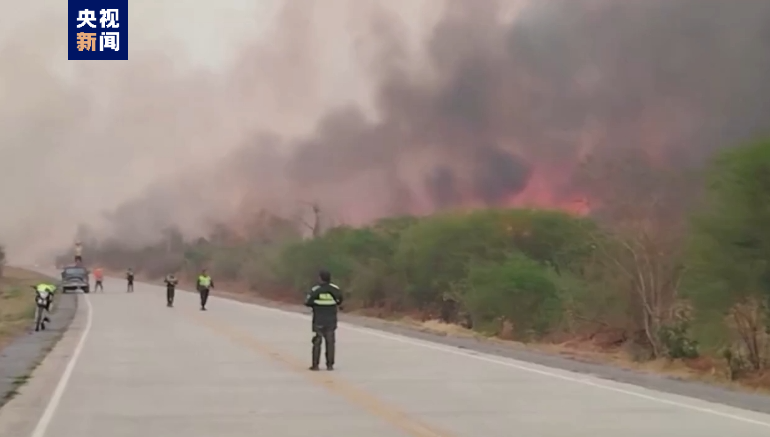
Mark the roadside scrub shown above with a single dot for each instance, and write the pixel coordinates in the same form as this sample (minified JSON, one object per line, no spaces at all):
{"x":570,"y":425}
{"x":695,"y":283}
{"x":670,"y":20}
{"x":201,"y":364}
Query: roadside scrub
{"x":643,"y":277}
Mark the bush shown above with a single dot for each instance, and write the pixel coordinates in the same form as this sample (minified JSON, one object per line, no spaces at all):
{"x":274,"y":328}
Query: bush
{"x":435,"y":253}
{"x":2,"y":260}
{"x":676,"y":341}
{"x":517,"y":290}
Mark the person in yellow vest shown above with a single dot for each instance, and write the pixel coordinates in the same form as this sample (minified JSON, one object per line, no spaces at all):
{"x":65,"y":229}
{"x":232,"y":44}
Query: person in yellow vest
{"x":205,"y":284}
{"x":324,"y":298}
{"x":46,"y":291}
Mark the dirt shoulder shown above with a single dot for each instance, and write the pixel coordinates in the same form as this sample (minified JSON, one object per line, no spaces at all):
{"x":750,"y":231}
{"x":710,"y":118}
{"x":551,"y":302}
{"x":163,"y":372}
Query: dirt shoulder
{"x":21,"y":348}
{"x":669,"y":377}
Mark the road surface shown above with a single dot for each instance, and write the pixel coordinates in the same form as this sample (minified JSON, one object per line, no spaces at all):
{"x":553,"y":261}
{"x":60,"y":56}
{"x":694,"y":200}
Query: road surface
{"x":130,"y":367}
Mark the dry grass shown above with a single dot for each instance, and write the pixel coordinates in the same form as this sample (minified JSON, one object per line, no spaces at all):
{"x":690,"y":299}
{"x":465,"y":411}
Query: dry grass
{"x":17,"y":304}
{"x":701,"y":369}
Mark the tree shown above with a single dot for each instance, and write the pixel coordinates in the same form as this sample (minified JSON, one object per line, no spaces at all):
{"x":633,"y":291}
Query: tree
{"x":433,"y":255}
{"x":315,"y":225}
{"x":2,"y":260}
{"x":173,"y":239}
{"x":642,"y":211}
{"x":729,"y":253}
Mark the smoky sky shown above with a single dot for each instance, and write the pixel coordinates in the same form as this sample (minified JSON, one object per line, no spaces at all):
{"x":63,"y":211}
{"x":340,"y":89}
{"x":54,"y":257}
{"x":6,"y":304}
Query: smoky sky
{"x":493,"y":96}
{"x":497,"y":100}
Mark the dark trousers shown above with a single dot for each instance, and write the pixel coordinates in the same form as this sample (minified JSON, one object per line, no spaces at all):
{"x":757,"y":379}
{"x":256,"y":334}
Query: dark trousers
{"x":48,"y":304}
{"x":204,"y":292}
{"x":170,"y":295}
{"x":324,"y":334}
{"x":98,"y":286}
{"x":130,"y":287}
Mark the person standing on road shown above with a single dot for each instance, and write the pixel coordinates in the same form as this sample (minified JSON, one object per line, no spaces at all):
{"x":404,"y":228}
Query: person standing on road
{"x":98,"y":278}
{"x":324,"y":298}
{"x":204,"y":285}
{"x":78,"y":252}
{"x":130,"y":280}
{"x":171,"y":282}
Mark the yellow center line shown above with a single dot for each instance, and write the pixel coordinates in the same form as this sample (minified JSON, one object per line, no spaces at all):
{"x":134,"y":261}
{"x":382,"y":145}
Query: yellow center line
{"x":360,"y":398}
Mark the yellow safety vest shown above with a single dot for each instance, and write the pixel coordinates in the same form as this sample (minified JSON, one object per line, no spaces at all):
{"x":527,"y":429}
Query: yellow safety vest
{"x":325,"y":299}
{"x":204,"y":281}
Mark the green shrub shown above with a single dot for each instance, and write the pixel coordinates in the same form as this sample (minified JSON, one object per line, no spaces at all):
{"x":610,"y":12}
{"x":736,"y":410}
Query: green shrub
{"x":518,"y":290}
{"x":676,"y":341}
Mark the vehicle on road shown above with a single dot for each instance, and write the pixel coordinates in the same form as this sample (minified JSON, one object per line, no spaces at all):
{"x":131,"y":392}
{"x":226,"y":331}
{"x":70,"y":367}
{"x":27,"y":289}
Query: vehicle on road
{"x":75,"y":278}
{"x":41,"y":308}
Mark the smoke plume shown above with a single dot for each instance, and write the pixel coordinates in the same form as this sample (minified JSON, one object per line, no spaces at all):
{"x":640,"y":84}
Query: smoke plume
{"x":369,"y":110}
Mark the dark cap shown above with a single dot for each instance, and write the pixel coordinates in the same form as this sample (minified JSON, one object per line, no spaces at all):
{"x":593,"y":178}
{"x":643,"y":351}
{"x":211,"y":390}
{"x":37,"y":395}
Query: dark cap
{"x":325,"y":276}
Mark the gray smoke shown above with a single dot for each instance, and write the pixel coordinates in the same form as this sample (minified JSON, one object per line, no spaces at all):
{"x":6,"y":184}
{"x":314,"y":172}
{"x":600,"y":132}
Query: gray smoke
{"x":496,"y":103}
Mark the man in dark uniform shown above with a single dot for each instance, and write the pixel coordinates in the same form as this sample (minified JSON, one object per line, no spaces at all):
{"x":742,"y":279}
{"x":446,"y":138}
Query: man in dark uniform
{"x":324,"y":298}
{"x":171,"y":282}
{"x":130,"y":281}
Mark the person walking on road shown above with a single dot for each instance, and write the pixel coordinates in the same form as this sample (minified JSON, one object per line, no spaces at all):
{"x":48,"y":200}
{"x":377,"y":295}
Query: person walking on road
{"x":130,"y":281}
{"x":204,"y":285}
{"x":47,"y":291}
{"x":324,"y":298}
{"x":98,"y":278}
{"x":171,"y":282}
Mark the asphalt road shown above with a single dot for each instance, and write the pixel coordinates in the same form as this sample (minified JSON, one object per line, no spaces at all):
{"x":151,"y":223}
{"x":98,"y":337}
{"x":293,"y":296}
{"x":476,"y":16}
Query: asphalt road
{"x":129,"y":366}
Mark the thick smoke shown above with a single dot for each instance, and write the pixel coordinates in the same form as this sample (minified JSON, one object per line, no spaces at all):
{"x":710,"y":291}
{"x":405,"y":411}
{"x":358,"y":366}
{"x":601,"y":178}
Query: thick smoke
{"x":500,"y":109}
{"x":452,"y":104}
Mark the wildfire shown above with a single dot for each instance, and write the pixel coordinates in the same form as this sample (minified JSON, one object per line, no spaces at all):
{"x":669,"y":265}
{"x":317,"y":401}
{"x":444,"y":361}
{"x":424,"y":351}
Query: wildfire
{"x":549,"y":189}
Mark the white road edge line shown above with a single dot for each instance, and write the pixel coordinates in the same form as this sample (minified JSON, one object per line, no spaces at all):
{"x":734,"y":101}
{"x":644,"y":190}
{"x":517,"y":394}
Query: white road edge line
{"x":512,"y":363}
{"x":53,"y":403}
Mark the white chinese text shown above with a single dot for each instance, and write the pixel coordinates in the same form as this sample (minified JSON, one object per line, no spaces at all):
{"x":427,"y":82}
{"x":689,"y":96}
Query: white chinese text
{"x":85,"y":17}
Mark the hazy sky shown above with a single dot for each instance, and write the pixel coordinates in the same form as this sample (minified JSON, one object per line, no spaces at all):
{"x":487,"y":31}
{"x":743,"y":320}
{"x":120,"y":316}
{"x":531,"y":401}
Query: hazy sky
{"x":202,"y":76}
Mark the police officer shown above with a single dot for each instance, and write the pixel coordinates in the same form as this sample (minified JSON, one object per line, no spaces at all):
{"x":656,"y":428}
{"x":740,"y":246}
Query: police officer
{"x":171,"y":282}
{"x":46,"y":290}
{"x":204,"y":285}
{"x":324,"y":298}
